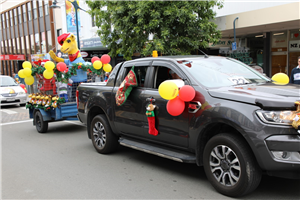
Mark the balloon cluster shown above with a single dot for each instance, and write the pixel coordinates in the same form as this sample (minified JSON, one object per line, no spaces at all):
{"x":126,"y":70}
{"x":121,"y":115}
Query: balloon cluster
{"x":177,"y":97}
{"x":104,"y":60}
{"x":26,"y":73}
{"x":48,"y":73}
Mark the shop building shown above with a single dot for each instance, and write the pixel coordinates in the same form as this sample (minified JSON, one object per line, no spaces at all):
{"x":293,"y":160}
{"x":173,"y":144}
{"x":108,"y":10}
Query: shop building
{"x":267,"y":36}
{"x":28,"y":29}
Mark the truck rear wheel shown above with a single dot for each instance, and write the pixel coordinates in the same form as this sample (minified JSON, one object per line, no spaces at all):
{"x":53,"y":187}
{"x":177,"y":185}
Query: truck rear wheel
{"x":104,"y":140}
{"x":40,"y":124}
{"x":230,"y":165}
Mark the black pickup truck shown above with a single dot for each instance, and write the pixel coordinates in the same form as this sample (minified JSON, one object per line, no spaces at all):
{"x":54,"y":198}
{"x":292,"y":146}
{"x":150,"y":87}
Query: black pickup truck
{"x":237,"y":126}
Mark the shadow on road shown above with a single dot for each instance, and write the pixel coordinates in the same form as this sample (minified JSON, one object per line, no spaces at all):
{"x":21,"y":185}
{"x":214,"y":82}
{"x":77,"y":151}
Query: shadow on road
{"x":269,"y":188}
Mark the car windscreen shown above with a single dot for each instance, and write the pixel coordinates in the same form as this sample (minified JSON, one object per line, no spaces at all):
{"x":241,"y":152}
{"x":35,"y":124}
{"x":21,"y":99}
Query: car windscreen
{"x":7,"y":81}
{"x":219,"y":72}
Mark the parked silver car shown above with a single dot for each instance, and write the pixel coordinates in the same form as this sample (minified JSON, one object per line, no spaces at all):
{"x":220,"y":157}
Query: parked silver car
{"x":11,"y":93}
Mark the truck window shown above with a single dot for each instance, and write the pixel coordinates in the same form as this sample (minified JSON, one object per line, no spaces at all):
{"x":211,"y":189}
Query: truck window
{"x":140,"y":72}
{"x":162,"y":74}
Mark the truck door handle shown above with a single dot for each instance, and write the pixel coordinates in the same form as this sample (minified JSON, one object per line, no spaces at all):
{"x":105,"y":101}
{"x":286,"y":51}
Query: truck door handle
{"x":151,"y":99}
{"x":194,"y":106}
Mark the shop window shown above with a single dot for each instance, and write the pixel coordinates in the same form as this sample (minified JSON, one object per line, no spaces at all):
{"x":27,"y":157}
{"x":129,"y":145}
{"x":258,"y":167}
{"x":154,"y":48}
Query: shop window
{"x":279,"y":46}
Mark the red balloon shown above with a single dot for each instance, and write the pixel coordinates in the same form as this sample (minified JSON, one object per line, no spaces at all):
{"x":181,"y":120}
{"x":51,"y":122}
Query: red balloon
{"x":66,"y":70}
{"x":95,"y":58}
{"x":61,"y":66}
{"x":22,"y":86}
{"x":105,"y":59}
{"x":187,"y":93}
{"x":175,"y":106}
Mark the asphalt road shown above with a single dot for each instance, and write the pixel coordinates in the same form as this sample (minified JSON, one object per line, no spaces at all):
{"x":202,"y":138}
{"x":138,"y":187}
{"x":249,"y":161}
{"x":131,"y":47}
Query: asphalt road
{"x":62,"y":164}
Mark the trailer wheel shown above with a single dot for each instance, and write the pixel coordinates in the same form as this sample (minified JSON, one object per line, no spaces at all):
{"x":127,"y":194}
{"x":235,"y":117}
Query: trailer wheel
{"x":104,"y":140}
{"x":40,"y":124}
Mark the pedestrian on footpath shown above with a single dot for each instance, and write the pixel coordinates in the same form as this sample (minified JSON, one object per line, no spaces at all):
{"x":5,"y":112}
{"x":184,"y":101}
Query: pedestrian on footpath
{"x":295,"y":74}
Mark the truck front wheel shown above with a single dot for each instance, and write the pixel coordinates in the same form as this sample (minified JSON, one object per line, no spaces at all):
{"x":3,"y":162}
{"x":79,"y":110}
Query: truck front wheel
{"x":230,"y":166}
{"x":104,"y":140}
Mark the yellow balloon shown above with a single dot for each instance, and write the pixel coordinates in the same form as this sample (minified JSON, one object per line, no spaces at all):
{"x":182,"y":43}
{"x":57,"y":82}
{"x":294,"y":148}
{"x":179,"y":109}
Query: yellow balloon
{"x":97,"y":64}
{"x":49,"y":65}
{"x":107,"y":67}
{"x":21,"y":73}
{"x":168,"y":90}
{"x":281,"y":78}
{"x":26,"y":64}
{"x":27,"y":72}
{"x":29,"y":80}
{"x":48,"y":74}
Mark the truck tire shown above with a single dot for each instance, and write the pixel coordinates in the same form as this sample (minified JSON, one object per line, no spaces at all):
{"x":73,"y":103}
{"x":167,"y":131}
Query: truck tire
{"x":104,"y":140}
{"x":40,"y":124}
{"x":230,"y":165}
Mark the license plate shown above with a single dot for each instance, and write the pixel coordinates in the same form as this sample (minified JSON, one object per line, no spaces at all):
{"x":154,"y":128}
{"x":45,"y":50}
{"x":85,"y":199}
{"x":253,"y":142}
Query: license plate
{"x":10,"y":99}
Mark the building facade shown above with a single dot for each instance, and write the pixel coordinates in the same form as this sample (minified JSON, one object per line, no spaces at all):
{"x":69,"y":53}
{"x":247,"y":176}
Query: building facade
{"x":27,"y":30}
{"x":267,"y":35}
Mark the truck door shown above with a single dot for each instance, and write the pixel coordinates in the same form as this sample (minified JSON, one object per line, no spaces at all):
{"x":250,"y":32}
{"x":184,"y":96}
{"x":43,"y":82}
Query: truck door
{"x":172,"y":129}
{"x":130,"y":117}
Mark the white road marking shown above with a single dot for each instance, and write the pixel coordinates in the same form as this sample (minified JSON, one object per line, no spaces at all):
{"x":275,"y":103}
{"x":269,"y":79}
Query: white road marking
{"x":30,"y":120}
{"x":17,"y":122}
{"x":7,"y":111}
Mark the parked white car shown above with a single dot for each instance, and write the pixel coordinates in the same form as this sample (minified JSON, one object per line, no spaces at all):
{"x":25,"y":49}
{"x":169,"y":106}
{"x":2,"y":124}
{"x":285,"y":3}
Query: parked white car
{"x":11,"y":93}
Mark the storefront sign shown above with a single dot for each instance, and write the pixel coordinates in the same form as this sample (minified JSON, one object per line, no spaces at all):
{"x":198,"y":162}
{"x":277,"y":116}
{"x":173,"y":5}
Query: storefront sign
{"x":12,"y":57}
{"x":294,"y":45}
{"x":84,"y":54}
{"x":36,"y":57}
{"x":224,"y":43}
{"x":93,"y":42}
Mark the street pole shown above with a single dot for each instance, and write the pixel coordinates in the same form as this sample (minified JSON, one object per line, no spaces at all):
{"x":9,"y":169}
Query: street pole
{"x":77,"y":30}
{"x":234,"y":29}
{"x":76,"y":7}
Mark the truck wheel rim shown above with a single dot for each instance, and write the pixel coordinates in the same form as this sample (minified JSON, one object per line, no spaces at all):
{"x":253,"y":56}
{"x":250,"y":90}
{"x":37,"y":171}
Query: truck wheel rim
{"x":225,"y":165}
{"x":99,"y":135}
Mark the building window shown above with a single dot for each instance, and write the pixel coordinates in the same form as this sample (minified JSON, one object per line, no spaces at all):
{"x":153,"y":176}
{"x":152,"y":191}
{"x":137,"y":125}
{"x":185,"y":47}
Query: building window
{"x":19,"y":15}
{"x":46,"y":9}
{"x":24,"y":12}
{"x":11,"y":18}
{"x":34,"y":13}
{"x":41,"y":11}
{"x":29,"y":12}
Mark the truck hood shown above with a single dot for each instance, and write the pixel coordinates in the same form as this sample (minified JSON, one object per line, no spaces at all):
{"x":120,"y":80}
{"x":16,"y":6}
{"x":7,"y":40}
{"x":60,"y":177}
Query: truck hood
{"x":266,"y":96}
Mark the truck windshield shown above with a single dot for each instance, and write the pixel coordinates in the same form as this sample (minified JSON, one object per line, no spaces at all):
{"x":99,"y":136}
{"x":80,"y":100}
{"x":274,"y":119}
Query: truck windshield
{"x":219,"y":72}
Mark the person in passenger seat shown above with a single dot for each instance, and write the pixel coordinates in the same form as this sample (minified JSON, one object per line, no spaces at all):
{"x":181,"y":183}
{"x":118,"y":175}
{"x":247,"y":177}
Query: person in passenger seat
{"x":174,"y":75}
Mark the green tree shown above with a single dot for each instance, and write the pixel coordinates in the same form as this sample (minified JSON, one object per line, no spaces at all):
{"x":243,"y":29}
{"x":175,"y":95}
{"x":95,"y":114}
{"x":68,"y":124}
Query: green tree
{"x":177,"y":27}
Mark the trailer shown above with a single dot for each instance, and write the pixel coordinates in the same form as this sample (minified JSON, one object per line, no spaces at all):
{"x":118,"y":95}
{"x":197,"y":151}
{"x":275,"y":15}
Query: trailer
{"x":41,"y":118}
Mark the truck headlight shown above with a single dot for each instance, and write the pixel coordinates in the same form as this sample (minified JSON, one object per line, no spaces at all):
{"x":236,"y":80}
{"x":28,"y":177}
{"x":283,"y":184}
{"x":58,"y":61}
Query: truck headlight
{"x":276,"y":117}
{"x":21,"y":93}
